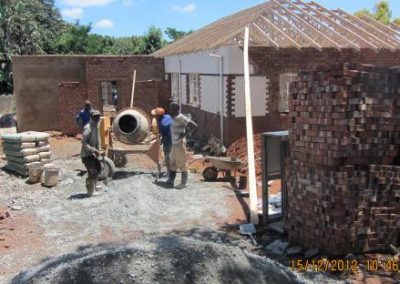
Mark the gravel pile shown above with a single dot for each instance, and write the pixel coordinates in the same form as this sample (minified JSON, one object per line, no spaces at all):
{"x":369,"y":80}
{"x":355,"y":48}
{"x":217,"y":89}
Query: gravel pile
{"x":160,"y":260}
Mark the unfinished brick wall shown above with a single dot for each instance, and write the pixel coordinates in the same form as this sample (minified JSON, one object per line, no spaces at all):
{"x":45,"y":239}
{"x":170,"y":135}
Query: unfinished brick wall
{"x":342,"y":119}
{"x":71,"y":98}
{"x":272,"y":62}
{"x":120,"y":69}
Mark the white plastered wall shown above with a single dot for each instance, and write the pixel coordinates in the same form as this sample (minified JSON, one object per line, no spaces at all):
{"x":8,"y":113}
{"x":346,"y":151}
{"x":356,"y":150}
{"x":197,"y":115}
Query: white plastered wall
{"x":258,"y":89}
{"x":210,"y":94}
{"x":202,"y":63}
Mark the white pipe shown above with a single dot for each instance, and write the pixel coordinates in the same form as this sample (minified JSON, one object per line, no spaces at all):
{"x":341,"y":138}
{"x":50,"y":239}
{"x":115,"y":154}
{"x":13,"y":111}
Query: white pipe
{"x":221,"y":78}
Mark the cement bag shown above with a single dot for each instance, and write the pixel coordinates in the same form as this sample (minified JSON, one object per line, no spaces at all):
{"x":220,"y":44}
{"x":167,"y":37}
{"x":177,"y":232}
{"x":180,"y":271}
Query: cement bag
{"x":43,"y":148}
{"x":20,"y":169}
{"x":42,"y":143}
{"x":30,"y":136}
{"x":18,"y":146}
{"x":23,"y":160}
{"x":21,"y":153}
{"x":46,"y":161}
{"x":45,"y":155}
{"x":22,"y":172}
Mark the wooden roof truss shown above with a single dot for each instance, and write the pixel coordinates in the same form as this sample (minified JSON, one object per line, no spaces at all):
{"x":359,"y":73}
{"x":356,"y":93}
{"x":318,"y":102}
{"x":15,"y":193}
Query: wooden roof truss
{"x":290,"y":24}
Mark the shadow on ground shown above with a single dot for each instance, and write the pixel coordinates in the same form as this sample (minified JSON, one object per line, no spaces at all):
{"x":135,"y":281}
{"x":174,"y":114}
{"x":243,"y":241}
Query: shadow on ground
{"x":168,"y":259}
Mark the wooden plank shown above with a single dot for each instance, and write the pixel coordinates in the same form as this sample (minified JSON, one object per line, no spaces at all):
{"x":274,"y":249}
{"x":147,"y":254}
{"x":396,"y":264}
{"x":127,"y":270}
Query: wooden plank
{"x":281,"y":32}
{"x":133,"y":88}
{"x":249,"y":130}
{"x":318,"y":24}
{"x":305,"y":26}
{"x":383,"y":38}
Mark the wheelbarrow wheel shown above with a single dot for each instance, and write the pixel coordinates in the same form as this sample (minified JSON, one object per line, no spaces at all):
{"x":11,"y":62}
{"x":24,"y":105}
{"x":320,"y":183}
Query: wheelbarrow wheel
{"x":107,"y":168}
{"x":210,"y":174}
{"x":120,"y":160}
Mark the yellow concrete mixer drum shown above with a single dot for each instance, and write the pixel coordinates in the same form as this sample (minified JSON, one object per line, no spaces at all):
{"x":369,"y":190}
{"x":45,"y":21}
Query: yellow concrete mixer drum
{"x":131,"y":126}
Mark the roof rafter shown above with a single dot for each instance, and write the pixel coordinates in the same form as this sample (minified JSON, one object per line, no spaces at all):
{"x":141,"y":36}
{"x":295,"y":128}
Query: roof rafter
{"x":291,"y":29}
{"x":318,"y":24}
{"x":384,"y":38}
{"x":384,"y":28}
{"x":303,"y":25}
{"x":266,"y":35}
{"x":290,"y":24}
{"x":395,"y":27}
{"x":360,"y":41}
{"x":264,"y":22}
{"x":342,"y":21}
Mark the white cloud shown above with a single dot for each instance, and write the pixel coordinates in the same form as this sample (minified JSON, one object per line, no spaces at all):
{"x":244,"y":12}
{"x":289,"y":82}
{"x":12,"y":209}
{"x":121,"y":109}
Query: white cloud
{"x":185,"y":9}
{"x":104,"y":24}
{"x":73,"y":13}
{"x":128,"y":3}
{"x":87,"y":3}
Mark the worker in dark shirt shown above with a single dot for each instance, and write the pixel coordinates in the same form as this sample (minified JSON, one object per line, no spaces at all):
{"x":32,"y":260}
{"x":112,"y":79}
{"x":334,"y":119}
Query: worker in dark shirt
{"x":164,"y":122}
{"x":83,"y":117}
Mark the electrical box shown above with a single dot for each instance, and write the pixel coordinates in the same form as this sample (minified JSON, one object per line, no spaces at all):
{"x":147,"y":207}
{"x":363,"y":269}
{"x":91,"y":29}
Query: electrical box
{"x":274,"y":151}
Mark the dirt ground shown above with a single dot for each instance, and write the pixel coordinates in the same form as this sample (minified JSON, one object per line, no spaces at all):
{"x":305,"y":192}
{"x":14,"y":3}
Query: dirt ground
{"x":144,"y":232}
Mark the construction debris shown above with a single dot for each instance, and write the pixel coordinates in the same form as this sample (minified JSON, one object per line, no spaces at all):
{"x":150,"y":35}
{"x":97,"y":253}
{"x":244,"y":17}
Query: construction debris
{"x":343,"y":119}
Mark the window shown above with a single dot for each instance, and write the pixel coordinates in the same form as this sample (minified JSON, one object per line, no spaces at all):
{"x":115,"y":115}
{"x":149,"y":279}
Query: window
{"x":109,"y":95}
{"x":175,"y":86}
{"x":284,"y":83}
{"x":194,"y":90}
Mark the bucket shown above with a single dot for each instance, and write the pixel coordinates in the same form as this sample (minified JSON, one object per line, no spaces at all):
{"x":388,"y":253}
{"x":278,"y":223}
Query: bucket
{"x":35,"y":173}
{"x":50,"y":175}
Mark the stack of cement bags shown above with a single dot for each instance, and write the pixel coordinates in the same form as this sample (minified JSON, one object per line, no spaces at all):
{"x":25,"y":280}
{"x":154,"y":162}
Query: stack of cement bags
{"x":25,"y":149}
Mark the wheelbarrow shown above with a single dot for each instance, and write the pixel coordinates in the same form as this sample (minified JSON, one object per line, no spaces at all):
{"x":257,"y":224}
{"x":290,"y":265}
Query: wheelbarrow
{"x":220,"y":164}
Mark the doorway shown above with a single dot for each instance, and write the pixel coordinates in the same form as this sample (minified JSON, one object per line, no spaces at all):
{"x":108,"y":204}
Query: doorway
{"x":109,"y":95}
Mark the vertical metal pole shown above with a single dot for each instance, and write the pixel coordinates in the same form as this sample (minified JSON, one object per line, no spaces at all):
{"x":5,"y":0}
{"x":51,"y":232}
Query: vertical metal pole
{"x":250,"y":138}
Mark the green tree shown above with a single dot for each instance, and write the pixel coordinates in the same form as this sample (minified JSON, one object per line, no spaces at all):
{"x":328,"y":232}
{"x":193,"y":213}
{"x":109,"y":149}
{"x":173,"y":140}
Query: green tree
{"x":174,"y":34}
{"x":397,"y":21}
{"x":127,"y":45}
{"x":26,"y":27}
{"x":74,"y":39}
{"x":98,"y":44}
{"x":153,"y":40}
{"x":381,"y":12}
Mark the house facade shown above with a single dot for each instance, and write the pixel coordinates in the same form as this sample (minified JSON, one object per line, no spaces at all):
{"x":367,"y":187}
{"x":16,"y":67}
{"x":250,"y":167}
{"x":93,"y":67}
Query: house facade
{"x":206,"y":67}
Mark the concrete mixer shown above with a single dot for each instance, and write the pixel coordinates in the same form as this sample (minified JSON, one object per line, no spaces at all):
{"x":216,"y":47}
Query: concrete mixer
{"x":132,"y":127}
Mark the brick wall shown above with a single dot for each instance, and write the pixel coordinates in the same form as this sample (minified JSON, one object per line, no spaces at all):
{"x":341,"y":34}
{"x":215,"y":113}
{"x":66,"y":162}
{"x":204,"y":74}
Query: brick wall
{"x":120,"y":69}
{"x":342,"y":119}
{"x":71,"y":98}
{"x":272,"y":62}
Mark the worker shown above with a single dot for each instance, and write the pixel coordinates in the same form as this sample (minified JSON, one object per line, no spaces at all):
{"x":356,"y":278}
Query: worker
{"x":90,"y":152}
{"x":164,"y":122}
{"x":178,"y":150}
{"x":83,"y":117}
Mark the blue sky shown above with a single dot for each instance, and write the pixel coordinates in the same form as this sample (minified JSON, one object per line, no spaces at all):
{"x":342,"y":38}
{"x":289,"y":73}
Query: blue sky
{"x":133,"y":17}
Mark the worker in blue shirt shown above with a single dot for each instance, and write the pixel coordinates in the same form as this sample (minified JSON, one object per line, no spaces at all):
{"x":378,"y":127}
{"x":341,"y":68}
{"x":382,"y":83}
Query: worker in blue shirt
{"x":83,"y":117}
{"x":164,"y":122}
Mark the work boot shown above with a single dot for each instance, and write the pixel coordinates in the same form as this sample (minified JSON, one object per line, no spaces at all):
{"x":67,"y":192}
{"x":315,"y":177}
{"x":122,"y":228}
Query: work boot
{"x":98,"y":186}
{"x":171,"y":179}
{"x":184,"y":180}
{"x":90,"y":186}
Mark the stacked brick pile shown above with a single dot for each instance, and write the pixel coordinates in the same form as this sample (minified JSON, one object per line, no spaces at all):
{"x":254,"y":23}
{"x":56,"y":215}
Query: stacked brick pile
{"x":342,"y":119}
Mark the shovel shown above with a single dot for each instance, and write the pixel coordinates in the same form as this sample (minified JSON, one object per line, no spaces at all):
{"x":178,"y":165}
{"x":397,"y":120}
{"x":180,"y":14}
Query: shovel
{"x":249,"y":229}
